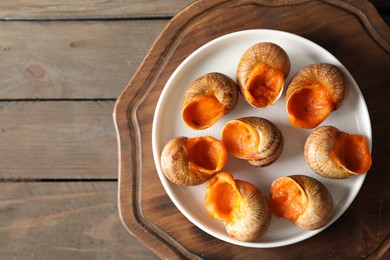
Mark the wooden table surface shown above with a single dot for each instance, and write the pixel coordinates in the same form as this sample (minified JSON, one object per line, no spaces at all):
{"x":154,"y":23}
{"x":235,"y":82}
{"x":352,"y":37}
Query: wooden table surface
{"x":62,"y":66}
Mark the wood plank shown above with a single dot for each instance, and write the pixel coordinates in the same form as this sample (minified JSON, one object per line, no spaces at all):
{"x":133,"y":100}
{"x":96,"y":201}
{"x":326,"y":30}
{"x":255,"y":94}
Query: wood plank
{"x":64,"y":220}
{"x":51,"y":140}
{"x":90,"y":9}
{"x":93,"y":59}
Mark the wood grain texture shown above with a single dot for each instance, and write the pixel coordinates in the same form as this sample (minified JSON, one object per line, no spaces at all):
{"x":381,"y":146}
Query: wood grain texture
{"x":64,"y":220}
{"x":354,"y":34}
{"x":73,"y":59}
{"x":57,"y":140}
{"x":89,"y":9}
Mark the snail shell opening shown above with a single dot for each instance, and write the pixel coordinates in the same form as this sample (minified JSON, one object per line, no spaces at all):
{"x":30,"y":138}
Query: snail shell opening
{"x":261,"y":72}
{"x":207,"y":99}
{"x":303,"y":200}
{"x":335,"y":154}
{"x":239,"y":205}
{"x":193,"y":161}
{"x":313,"y":93}
{"x":255,"y":139}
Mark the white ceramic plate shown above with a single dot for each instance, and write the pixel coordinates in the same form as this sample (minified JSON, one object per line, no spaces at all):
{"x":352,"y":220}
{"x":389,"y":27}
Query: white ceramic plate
{"x":222,"y":55}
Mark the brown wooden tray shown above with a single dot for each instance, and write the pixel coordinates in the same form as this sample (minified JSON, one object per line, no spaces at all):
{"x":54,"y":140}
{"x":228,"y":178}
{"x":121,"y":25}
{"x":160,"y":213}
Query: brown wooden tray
{"x":351,"y":30}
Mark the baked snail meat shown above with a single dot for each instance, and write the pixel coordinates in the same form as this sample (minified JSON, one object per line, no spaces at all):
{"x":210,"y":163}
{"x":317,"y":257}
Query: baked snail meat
{"x":335,"y":154}
{"x":255,"y":139}
{"x":192,"y":161}
{"x":261,"y":72}
{"x":207,"y":99}
{"x":239,"y":205}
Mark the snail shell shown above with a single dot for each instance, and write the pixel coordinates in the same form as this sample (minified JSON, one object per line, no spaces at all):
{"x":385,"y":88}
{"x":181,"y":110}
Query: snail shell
{"x":303,"y":200}
{"x":313,"y":93}
{"x":207,"y":99}
{"x":335,"y":154}
{"x":239,"y":205}
{"x":261,"y":72}
{"x":192,"y":161}
{"x":255,"y":139}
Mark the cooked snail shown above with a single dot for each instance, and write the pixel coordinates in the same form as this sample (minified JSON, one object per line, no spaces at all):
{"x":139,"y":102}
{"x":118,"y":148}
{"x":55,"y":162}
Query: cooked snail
{"x":261,"y":72}
{"x":239,"y":205}
{"x":303,"y":200}
{"x":207,"y":99}
{"x":336,"y":154}
{"x":313,"y":93}
{"x":192,"y":161}
{"x":255,"y":139}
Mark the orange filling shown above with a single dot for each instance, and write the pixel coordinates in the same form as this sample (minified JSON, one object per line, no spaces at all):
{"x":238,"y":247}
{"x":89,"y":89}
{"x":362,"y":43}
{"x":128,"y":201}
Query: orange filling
{"x":206,"y":154}
{"x":308,"y":107}
{"x":287,"y":199}
{"x":240,"y":139}
{"x":202,"y":112}
{"x":223,"y":201}
{"x":264,"y":85}
{"x":353,"y":152}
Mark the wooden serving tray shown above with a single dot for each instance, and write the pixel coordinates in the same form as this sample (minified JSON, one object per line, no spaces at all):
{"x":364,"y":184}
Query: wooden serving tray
{"x":351,"y":30}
